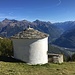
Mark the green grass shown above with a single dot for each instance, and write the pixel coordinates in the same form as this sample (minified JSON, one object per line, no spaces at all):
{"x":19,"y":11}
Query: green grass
{"x":20,"y":68}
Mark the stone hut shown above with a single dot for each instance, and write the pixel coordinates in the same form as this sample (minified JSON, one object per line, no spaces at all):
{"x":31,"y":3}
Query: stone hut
{"x":31,"y":46}
{"x":55,"y":58}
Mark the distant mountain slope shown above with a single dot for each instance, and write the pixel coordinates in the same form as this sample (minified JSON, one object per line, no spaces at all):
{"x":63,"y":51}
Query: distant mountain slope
{"x":67,"y":39}
{"x":65,"y":25}
{"x":48,"y":28}
{"x":11,"y":27}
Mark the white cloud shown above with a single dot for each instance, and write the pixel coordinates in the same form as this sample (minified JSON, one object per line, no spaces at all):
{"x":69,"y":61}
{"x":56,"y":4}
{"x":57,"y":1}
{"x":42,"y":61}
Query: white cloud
{"x":9,"y":17}
{"x":59,"y":3}
{"x":10,"y":13}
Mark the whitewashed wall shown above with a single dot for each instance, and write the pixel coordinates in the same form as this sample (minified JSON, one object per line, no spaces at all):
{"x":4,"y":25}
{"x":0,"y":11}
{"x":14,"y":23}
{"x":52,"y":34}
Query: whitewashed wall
{"x":32,"y":51}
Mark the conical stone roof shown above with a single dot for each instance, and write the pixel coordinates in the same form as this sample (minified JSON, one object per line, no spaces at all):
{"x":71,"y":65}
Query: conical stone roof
{"x":30,"y":33}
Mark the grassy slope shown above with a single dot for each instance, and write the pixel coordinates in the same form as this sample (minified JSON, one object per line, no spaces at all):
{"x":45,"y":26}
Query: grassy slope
{"x":19,"y":68}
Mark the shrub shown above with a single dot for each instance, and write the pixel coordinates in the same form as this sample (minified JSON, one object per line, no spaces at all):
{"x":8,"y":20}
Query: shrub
{"x":6,"y":47}
{"x":73,"y":57}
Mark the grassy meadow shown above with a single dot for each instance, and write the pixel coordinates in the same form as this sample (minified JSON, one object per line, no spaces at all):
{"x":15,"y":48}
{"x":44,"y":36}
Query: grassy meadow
{"x":21,"y":68}
{"x":10,"y":66}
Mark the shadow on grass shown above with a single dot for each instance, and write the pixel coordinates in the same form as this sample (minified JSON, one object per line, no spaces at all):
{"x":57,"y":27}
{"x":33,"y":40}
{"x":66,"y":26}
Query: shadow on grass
{"x":9,"y":59}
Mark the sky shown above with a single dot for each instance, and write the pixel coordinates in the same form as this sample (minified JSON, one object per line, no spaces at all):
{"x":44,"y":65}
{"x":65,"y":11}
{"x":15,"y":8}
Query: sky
{"x":44,"y":10}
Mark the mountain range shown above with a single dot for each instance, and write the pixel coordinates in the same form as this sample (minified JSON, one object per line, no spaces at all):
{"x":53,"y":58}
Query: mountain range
{"x":11,"y":27}
{"x":61,"y":34}
{"x":67,"y":39}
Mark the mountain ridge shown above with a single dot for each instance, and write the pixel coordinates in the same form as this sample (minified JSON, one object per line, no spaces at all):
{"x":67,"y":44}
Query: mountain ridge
{"x":11,"y":27}
{"x":61,"y":34}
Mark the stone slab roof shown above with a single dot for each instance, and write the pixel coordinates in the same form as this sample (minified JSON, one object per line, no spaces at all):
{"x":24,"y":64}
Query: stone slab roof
{"x":30,"y":33}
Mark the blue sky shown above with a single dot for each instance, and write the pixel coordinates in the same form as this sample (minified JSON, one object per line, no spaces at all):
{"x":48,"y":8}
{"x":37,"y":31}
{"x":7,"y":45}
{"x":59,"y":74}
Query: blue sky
{"x":45,"y":10}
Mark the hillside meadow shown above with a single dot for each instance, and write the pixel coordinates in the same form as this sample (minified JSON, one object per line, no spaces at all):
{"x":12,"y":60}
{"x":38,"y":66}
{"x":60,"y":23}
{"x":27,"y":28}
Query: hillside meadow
{"x":11,"y":66}
{"x":21,"y":68}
